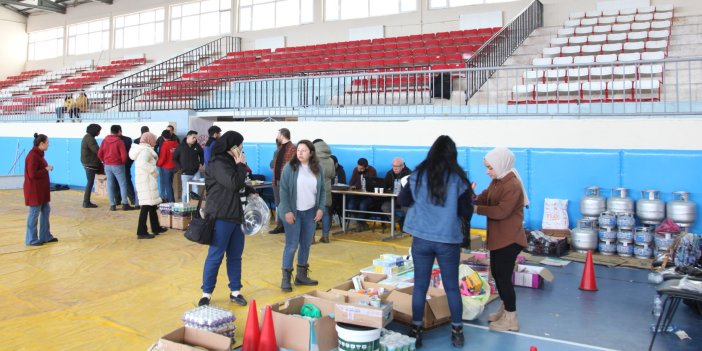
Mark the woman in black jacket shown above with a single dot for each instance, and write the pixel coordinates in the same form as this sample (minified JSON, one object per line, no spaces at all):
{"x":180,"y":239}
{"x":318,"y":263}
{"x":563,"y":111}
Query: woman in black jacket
{"x":226,"y":198}
{"x":89,"y":158}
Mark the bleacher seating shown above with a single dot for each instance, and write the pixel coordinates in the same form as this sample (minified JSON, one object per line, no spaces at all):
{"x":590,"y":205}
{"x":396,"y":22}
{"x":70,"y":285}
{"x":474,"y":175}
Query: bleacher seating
{"x":620,"y":39}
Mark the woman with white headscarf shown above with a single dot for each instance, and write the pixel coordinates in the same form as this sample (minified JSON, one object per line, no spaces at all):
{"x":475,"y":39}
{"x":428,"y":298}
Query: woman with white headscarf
{"x":503,"y":204}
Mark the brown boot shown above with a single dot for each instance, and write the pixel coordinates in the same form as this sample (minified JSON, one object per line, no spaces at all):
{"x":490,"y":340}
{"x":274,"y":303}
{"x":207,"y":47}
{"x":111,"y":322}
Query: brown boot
{"x":494,"y":317}
{"x":507,"y":322}
{"x":324,"y":239}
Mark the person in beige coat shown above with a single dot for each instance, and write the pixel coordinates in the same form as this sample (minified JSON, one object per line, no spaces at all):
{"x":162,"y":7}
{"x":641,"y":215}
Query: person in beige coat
{"x":146,"y":181}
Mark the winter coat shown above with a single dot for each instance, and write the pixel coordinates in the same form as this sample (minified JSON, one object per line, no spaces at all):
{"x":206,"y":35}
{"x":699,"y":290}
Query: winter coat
{"x":89,"y":152}
{"x":226,"y":188}
{"x":208,"y":149}
{"x":390,"y":177}
{"x":288,"y":192}
{"x":127,"y":146}
{"x":165,"y":157}
{"x":112,"y":151}
{"x":37,"y":190}
{"x":503,"y":205}
{"x":146,"y":175}
{"x":188,"y":158}
{"x":327,"y":164}
{"x":355,"y":182}
{"x":285,"y":153}
{"x":82,"y":103}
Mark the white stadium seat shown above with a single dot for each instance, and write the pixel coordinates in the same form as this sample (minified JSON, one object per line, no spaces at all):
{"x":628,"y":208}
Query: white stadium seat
{"x":570,"y":50}
{"x":634,"y":46}
{"x":640,"y":26}
{"x":634,"y":56}
{"x":660,"y":25}
{"x":563,"y":60}
{"x":636,"y":36}
{"x":578,"y":40}
{"x":524,"y":91}
{"x":646,"y":10}
{"x":644,"y":17}
{"x":623,"y":27}
{"x":578,"y":73}
{"x":650,"y":69}
{"x":583,"y":30}
{"x":625,"y":19}
{"x":584,"y":59}
{"x":593,"y":13}
{"x":557,"y":41}
{"x":555,"y":74}
{"x":601,"y":29}
{"x":610,"y":58}
{"x":601,"y":72}
{"x":612,"y":48}
{"x":663,"y":16}
{"x":664,"y":8}
{"x":535,"y":75}
{"x":571,"y":23}
{"x":591,"y":49}
{"x":607,"y":20}
{"x":569,"y":89}
{"x":546,"y":61}
{"x":656,"y":45}
{"x":588,"y":22}
{"x":566,"y":32}
{"x":597,"y":38}
{"x":624,"y":71}
{"x":627,"y":12}
{"x":656,"y":55}
{"x":610,"y":13}
{"x":658,"y":34}
{"x":551,"y":52}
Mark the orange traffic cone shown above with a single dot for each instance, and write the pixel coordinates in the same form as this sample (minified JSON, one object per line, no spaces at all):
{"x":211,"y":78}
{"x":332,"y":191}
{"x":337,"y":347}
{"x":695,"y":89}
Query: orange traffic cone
{"x":267,"y":342}
{"x":252,"y":334}
{"x":588,"y":282}
{"x":533,"y":348}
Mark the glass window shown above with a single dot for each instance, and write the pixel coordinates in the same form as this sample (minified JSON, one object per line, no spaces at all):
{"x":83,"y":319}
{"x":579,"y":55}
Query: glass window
{"x":200,"y":19}
{"x":265,"y":14}
{"x":440,"y":4}
{"x":139,"y":29}
{"x":45,"y":44}
{"x":350,"y":9}
{"x":87,"y":37}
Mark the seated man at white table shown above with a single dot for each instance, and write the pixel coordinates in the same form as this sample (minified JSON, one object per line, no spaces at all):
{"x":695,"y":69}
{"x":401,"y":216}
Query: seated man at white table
{"x":392,"y":182}
{"x":361,"y":176}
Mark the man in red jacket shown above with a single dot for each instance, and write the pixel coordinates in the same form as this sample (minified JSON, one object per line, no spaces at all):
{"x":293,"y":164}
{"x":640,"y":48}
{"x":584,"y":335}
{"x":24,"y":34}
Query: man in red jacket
{"x":113,"y":154}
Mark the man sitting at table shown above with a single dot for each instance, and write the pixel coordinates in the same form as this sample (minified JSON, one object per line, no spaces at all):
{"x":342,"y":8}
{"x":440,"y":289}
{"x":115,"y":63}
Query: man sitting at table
{"x":360,"y":202}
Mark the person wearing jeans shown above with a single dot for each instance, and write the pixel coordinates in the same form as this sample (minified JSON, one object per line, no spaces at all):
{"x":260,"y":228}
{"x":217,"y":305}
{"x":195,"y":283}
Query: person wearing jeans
{"x":89,"y":158}
{"x":434,"y":221}
{"x":167,"y":167}
{"x":113,"y":154}
{"x":325,"y":160}
{"x":37,"y":193}
{"x":226,"y":199}
{"x":302,"y":199}
{"x":189,"y":157}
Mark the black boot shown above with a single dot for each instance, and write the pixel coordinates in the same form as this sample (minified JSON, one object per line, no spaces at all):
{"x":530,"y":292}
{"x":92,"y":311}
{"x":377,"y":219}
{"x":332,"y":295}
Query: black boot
{"x":416,"y":332}
{"x":457,"y":336}
{"x":302,"y":277}
{"x":285,"y":284}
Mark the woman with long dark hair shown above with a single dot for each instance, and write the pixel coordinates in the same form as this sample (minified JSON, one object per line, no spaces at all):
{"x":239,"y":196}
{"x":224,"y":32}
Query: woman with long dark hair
{"x":438,"y":194}
{"x":503,"y":204}
{"x":302,"y":199}
{"x":37,"y":192}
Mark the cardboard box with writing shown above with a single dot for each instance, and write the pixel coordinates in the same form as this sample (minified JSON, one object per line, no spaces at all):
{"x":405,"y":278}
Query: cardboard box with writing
{"x":294,"y":332}
{"x":164,"y":219}
{"x":531,"y":276}
{"x":186,"y":339}
{"x":436,"y":311}
{"x":100,"y":185}
{"x":357,"y":309}
{"x":180,"y":220}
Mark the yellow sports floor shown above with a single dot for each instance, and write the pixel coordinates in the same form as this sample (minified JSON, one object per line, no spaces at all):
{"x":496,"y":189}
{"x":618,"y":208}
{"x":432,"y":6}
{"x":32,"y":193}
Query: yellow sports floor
{"x":99,"y":288}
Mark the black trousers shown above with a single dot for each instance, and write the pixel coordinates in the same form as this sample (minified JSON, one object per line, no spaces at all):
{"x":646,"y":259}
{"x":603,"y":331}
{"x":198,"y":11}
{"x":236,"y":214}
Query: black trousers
{"x":502,"y":265}
{"x":149,"y":211}
{"x":90,"y":174}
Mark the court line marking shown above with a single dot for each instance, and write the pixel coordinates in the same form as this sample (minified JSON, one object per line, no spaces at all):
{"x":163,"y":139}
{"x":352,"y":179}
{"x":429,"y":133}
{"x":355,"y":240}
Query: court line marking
{"x":544,"y":338}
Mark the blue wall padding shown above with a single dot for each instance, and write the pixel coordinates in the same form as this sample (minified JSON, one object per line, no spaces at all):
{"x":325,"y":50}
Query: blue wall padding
{"x":547,"y":173}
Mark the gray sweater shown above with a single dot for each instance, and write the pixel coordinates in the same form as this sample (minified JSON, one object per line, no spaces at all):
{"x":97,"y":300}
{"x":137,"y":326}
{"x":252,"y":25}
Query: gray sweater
{"x":288,"y":192}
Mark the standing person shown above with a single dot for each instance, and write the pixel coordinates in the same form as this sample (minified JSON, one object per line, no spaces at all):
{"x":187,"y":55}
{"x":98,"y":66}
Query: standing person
{"x":37,"y":193}
{"x":146,"y":175}
{"x":144,"y":129}
{"x":302,"y":200}
{"x":226,"y":198}
{"x":131,"y":194}
{"x":188,"y":157}
{"x":160,"y":140}
{"x":114,"y":155}
{"x":503,"y":204}
{"x":437,"y":193}
{"x":167,"y":167}
{"x":214,"y":132}
{"x":286,"y":152}
{"x":324,"y":156}
{"x":339,"y":177}
{"x":89,"y":158}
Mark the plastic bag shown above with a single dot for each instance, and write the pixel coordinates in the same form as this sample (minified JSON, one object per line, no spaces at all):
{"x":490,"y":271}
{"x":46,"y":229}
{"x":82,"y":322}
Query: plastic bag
{"x":256,"y":215}
{"x":474,"y":305}
{"x":668,"y":226}
{"x":555,"y":214}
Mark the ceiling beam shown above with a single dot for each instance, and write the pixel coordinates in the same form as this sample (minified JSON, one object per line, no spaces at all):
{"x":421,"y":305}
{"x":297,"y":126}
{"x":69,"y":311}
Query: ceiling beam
{"x":109,"y":2}
{"x":41,"y":5}
{"x":15,"y":10}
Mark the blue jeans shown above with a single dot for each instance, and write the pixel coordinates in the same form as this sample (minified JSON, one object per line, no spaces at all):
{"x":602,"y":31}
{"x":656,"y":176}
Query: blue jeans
{"x":227,"y":238}
{"x":299,"y":234}
{"x":361,"y":203}
{"x":326,"y":221}
{"x":116,"y":173}
{"x":423,"y":254}
{"x":41,"y":213}
{"x":184,"y":178}
{"x":165,"y":182}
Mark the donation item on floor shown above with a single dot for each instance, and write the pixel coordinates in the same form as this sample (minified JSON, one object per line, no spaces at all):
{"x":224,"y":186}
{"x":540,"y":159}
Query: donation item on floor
{"x":181,"y":215}
{"x":475,"y":292}
{"x":212,"y":319}
{"x":256,"y":215}
{"x":542,"y":244}
{"x":392,"y":265}
{"x":555,"y":214}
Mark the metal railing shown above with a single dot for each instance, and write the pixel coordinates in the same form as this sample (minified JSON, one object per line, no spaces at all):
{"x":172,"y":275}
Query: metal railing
{"x":170,"y":70}
{"x":502,"y":44}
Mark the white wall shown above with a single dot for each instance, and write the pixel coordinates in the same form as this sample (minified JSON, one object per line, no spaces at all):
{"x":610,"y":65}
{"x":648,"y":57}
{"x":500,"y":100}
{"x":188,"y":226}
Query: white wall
{"x":13,"y":45}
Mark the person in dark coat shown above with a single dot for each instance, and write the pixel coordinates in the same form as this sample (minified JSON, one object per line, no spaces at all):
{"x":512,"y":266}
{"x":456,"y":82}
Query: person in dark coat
{"x":144,"y":129}
{"x":188,"y":158}
{"x":91,"y":163}
{"x":214,"y":132}
{"x":37,"y":193}
{"x":226,"y":197}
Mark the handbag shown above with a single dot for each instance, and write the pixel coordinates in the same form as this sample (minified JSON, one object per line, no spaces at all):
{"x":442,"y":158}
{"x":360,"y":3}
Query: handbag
{"x":200,"y":229}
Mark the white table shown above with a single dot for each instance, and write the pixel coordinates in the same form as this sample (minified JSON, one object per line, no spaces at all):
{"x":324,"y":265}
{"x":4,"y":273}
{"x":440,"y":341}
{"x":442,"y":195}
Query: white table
{"x":391,"y":214}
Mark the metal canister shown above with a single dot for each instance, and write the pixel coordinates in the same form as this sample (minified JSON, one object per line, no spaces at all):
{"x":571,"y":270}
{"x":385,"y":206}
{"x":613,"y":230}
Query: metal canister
{"x":592,"y":204}
{"x":619,"y":202}
{"x":681,"y":210}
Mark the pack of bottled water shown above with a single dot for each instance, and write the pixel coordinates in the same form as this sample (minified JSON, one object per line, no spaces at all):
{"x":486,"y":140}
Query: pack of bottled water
{"x":393,"y":341}
{"x":211,"y":318}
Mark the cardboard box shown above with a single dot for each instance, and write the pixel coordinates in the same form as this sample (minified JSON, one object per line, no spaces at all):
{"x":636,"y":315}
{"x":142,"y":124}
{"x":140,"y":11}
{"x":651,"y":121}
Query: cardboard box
{"x":180,"y":220}
{"x":531,"y":276}
{"x":561,"y":233}
{"x":436,"y":310}
{"x":185,"y":339}
{"x":100,"y":186}
{"x":357,"y":310}
{"x":294,"y":332}
{"x":164,"y":220}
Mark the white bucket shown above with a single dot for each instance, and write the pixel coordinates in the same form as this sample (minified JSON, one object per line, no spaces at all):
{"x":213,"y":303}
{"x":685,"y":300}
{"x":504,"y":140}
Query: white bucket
{"x":357,"y":338}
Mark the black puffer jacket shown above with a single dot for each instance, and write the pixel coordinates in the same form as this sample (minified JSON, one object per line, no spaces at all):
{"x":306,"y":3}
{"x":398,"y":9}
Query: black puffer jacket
{"x":189,"y":158}
{"x":224,"y":182}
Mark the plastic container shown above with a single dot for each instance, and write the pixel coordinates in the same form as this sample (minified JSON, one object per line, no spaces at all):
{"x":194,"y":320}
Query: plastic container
{"x":354,"y":337}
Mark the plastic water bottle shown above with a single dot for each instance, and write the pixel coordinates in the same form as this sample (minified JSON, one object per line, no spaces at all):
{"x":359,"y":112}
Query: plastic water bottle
{"x":336,"y":179}
{"x":363,"y":183}
{"x":396,"y":187}
{"x":657,"y":306}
